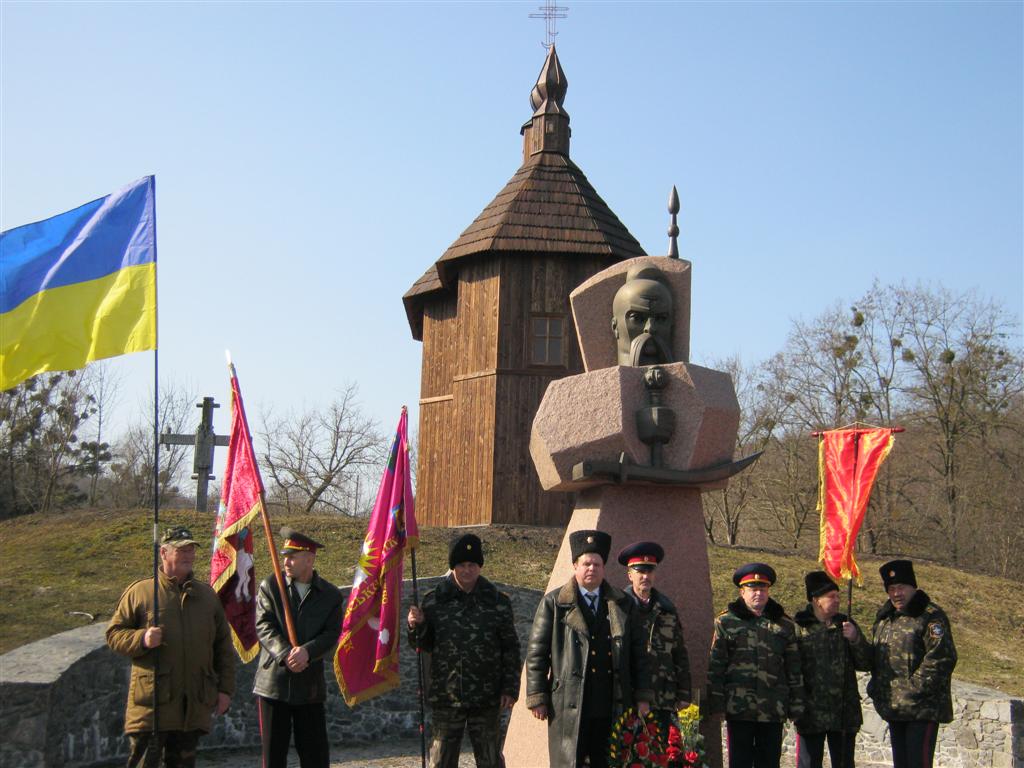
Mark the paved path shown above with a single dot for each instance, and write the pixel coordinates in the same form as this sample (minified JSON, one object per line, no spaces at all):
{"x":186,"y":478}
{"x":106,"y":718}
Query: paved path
{"x":390,"y":754}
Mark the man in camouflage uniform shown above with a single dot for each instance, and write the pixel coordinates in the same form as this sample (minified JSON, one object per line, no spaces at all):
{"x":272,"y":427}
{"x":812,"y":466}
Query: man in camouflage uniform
{"x":754,"y":671}
{"x":468,"y":627}
{"x":914,"y":657}
{"x":658,"y":622}
{"x":831,"y":648}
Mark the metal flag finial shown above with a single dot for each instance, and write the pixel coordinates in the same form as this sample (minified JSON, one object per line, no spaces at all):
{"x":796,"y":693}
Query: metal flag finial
{"x":673,"y":228}
{"x":550,"y":12}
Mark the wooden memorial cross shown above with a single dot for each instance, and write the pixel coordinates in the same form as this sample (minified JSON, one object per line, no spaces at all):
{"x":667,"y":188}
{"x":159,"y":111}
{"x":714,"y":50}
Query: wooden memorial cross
{"x":204,"y":442}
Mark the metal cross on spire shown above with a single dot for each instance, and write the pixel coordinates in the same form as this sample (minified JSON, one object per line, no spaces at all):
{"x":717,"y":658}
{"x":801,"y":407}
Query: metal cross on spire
{"x":550,"y":13}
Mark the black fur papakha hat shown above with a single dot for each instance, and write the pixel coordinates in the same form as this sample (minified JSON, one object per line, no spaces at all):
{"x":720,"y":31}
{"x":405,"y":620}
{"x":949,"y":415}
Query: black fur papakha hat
{"x":584,"y":542}
{"x":898,"y":572}
{"x":819,"y":583}
{"x":466,"y":549}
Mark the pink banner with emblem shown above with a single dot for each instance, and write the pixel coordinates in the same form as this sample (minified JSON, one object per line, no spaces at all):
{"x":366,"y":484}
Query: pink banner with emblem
{"x":366,"y":661}
{"x":232,"y":570}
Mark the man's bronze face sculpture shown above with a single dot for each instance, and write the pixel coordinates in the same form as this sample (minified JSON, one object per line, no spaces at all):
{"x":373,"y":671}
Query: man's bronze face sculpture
{"x":642,"y":319}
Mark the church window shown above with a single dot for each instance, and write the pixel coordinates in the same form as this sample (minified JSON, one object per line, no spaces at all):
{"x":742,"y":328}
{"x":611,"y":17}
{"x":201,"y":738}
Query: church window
{"x":547,"y":340}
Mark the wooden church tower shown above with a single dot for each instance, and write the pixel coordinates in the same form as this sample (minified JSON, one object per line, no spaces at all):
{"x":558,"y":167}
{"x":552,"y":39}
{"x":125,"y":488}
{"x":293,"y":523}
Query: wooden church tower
{"x":493,"y":315}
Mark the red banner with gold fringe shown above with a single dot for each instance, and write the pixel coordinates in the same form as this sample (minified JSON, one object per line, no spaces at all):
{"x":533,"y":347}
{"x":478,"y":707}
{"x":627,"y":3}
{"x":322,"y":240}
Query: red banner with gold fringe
{"x":848,"y":462}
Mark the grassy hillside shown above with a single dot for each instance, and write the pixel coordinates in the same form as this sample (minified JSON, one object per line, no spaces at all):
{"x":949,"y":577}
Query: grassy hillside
{"x":53,"y":565}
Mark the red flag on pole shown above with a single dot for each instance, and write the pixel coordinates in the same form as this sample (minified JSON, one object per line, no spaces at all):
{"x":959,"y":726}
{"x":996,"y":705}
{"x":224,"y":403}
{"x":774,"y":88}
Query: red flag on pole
{"x":232,"y":571}
{"x":848,"y":461}
{"x":366,"y":661}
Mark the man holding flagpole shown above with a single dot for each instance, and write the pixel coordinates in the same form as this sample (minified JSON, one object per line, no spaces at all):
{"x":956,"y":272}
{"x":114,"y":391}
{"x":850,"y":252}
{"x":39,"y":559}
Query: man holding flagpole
{"x":469,"y":629}
{"x":187,"y":650}
{"x":290,"y":679}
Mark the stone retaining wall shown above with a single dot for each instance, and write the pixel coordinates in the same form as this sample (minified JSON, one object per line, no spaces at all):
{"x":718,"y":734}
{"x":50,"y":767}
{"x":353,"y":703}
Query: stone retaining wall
{"x":62,"y":706}
{"x":987,"y":732}
{"x":62,"y":699}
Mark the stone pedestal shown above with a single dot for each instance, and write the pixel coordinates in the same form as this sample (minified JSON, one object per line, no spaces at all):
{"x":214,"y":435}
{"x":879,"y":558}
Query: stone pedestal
{"x":671,"y":516}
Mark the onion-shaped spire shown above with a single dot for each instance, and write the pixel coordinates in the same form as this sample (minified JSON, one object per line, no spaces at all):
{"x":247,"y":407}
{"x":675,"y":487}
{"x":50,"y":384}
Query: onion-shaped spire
{"x":549,"y":92}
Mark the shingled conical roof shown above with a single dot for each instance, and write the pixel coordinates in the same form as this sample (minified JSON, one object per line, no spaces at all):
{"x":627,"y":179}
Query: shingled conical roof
{"x":547,"y":207}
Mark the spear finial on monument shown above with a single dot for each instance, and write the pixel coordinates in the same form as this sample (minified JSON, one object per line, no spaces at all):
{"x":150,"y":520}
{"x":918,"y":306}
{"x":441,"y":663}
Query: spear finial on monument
{"x":673,"y":228}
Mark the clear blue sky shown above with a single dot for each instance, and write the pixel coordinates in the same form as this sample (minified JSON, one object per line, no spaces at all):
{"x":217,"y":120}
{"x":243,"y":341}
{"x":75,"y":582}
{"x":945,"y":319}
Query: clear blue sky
{"x":313,"y":159}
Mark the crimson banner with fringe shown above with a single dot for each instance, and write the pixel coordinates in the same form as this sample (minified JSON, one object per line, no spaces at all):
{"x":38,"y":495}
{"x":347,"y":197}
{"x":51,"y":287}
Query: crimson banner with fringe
{"x":366,"y":662}
{"x":848,"y":462}
{"x":232,"y":571}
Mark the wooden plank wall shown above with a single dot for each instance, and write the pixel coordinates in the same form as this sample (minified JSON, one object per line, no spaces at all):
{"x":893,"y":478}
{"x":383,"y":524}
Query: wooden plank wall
{"x":531,"y":284}
{"x":479,"y":393}
{"x":460,"y":338}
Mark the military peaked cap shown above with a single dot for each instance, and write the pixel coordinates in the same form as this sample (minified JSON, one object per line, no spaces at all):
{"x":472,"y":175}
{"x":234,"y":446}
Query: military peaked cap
{"x":297,"y":542}
{"x":754,"y":573}
{"x":898,"y":572}
{"x":642,"y":553}
{"x":466,"y":549}
{"x":585,"y":542}
{"x":819,"y":583}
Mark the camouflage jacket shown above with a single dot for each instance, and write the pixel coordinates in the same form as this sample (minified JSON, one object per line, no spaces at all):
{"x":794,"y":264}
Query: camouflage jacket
{"x":914,"y":657}
{"x":473,"y":646}
{"x":668,"y":664}
{"x":828,"y":662}
{"x":754,"y":668}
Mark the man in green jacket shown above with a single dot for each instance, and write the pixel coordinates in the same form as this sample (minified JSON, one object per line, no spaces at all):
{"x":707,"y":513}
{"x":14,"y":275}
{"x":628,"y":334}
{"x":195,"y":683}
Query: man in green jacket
{"x":668,"y":664}
{"x":914,"y":657}
{"x":468,"y":628}
{"x":832,"y":647}
{"x":184,"y":657}
{"x":289,"y":686}
{"x":754,"y":670}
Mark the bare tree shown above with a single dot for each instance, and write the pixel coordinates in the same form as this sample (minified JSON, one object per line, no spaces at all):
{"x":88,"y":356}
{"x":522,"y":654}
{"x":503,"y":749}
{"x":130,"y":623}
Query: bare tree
{"x":103,"y":384}
{"x":760,"y":415}
{"x":964,"y":376}
{"x":317,"y":458}
{"x":131,"y":471}
{"x":40,"y":452}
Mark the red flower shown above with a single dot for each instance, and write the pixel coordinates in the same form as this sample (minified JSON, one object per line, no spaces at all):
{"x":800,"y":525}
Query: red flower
{"x":642,"y":737}
{"x":627,"y":738}
{"x":642,"y":750}
{"x":636,"y":765}
{"x":674,"y":737}
{"x":691,"y":757}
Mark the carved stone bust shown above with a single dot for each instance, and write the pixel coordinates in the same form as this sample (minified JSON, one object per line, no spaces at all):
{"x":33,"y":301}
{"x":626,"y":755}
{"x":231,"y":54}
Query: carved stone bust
{"x":643,"y":318}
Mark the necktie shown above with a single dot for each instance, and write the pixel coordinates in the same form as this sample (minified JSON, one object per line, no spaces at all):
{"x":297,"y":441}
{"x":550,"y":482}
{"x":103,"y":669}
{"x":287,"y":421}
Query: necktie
{"x":592,"y":602}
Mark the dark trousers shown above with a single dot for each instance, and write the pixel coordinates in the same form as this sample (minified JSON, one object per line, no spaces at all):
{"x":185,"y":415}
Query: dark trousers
{"x":754,"y":745}
{"x":593,"y":741}
{"x":278,"y":718}
{"x":447,"y":724}
{"x":913,"y":743}
{"x":176,"y":748}
{"x":810,"y":749}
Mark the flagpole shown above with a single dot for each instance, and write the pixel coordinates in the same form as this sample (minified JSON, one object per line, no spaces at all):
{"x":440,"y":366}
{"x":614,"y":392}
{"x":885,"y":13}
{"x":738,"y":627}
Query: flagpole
{"x":289,"y":622}
{"x":156,"y":482}
{"x":419,"y":657}
{"x":419,"y":667}
{"x":156,"y":541}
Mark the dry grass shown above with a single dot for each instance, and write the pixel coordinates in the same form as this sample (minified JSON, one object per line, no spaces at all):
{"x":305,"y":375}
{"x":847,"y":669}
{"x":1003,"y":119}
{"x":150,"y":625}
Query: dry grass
{"x":81,"y":561}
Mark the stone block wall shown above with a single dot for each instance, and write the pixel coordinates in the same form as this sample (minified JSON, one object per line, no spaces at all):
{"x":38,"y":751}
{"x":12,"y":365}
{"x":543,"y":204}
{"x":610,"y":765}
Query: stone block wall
{"x":987,"y":732}
{"x":62,"y":699}
{"x":62,"y":706}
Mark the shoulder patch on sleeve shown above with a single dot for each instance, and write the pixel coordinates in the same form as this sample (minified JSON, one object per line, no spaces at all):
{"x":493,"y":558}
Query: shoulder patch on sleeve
{"x":935,"y":629}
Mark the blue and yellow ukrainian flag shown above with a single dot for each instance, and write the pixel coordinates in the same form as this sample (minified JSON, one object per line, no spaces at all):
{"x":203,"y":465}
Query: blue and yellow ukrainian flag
{"x":80,"y":286}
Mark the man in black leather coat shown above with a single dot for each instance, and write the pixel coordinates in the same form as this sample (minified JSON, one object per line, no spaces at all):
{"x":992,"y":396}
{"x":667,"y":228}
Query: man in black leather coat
{"x":290,"y":685}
